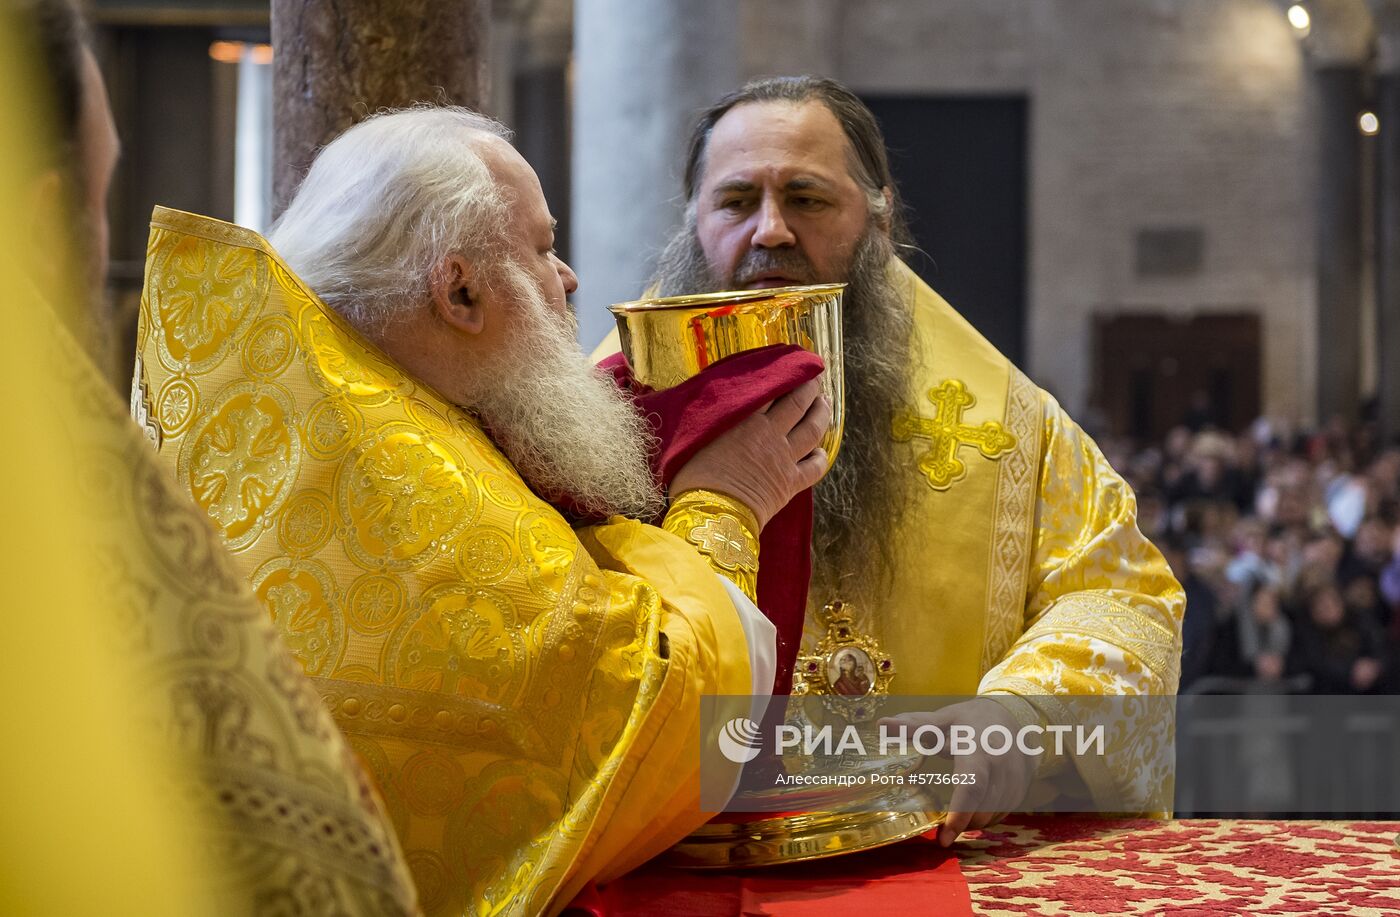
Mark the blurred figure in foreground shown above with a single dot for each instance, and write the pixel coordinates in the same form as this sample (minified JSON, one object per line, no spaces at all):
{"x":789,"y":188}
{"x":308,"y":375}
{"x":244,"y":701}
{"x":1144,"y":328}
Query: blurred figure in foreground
{"x":182,"y":763}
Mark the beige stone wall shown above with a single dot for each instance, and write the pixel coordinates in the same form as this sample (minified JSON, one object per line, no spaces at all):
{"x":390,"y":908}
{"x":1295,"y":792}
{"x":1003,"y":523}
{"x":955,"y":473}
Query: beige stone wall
{"x":1144,"y":113}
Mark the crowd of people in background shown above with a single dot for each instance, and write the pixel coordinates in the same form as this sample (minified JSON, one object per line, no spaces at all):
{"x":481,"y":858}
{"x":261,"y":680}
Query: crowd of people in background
{"x":1288,"y":544}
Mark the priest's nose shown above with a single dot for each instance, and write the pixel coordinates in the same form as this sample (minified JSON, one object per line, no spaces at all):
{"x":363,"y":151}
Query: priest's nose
{"x":772,"y":230}
{"x":567,"y":277}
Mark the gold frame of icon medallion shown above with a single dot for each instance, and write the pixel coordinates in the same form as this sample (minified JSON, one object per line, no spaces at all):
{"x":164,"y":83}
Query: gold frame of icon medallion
{"x":888,"y":815}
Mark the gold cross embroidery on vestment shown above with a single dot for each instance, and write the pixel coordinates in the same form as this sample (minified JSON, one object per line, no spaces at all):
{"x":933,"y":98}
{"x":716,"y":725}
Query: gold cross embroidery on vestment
{"x":723,"y":539}
{"x":947,"y":434}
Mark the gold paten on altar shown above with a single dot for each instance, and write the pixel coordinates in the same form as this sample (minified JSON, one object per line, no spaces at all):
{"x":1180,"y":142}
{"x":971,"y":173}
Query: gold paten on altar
{"x":848,"y":667}
{"x":804,"y":817}
{"x":794,"y":838}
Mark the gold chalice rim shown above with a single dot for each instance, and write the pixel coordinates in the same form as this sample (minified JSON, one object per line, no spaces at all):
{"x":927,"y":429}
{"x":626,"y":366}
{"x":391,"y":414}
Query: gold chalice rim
{"x":722,"y":298}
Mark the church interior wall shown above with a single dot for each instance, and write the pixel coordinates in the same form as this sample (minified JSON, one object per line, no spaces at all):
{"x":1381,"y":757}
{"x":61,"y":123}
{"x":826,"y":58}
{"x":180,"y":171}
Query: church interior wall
{"x":1144,"y":114}
{"x":1175,"y":114}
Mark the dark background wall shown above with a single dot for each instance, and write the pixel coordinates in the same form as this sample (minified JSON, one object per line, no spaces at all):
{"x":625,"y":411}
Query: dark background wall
{"x":961,"y":167}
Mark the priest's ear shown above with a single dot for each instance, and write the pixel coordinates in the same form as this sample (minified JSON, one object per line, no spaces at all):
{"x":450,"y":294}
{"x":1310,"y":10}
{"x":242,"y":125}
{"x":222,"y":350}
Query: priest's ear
{"x":456,"y":294}
{"x":886,"y":220}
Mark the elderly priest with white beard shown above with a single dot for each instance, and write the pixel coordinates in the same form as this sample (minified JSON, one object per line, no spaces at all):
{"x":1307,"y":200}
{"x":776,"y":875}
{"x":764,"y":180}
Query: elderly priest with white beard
{"x":373,"y":409}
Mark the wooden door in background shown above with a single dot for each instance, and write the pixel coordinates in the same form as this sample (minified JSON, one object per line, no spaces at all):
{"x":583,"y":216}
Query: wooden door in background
{"x":1153,"y":372}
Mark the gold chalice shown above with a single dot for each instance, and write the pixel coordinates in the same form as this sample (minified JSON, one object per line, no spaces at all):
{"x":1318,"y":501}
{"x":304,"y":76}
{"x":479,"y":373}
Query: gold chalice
{"x":666,"y":341}
{"x":670,"y":339}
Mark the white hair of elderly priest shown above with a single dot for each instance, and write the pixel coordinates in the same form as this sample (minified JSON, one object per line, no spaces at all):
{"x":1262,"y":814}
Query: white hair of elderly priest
{"x":384,"y":202}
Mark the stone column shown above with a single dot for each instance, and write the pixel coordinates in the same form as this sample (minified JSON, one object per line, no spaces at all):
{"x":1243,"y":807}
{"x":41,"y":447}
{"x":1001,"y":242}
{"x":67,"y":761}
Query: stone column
{"x":337,"y":61}
{"x":1387,"y":15}
{"x":642,"y":71}
{"x":1338,"y":47}
{"x":540,"y":111}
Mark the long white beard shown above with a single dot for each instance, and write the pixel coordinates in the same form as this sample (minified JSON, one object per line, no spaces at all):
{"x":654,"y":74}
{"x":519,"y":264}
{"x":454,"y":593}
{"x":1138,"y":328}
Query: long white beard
{"x":564,"y":425}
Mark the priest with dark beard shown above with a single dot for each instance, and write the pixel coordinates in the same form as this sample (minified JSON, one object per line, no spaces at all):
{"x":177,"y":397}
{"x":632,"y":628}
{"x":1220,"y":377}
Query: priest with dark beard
{"x":970,"y":529}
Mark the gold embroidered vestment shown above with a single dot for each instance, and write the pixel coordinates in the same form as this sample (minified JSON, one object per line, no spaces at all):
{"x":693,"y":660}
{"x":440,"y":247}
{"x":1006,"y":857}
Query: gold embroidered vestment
{"x":1018,"y":565}
{"x":502,"y":676}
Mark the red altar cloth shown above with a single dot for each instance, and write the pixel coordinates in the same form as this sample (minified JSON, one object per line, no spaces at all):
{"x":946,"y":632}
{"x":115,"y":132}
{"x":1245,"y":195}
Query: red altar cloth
{"x":911,"y":879}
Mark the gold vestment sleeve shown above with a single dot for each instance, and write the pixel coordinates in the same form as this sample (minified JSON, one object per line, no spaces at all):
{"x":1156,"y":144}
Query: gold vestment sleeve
{"x":1104,"y":611}
{"x":654,"y":798}
{"x":526,"y":697}
{"x":723,"y":530}
{"x":192,"y":695}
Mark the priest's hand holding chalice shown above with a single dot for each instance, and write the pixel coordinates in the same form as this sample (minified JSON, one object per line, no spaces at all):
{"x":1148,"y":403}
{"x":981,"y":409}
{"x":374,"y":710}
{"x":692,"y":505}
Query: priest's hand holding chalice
{"x":703,"y":368}
{"x":672,"y":339}
{"x":712,"y":350}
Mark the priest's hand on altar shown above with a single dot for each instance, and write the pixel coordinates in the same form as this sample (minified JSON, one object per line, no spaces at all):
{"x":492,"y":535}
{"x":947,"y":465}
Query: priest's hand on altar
{"x":996,"y":784}
{"x":769,"y":457}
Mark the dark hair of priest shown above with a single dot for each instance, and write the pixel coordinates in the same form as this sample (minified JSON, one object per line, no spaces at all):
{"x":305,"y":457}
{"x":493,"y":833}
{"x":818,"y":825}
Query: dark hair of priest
{"x":870,"y":164}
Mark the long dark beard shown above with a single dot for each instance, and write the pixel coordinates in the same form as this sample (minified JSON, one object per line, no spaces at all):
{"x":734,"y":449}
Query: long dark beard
{"x":860,"y":501}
